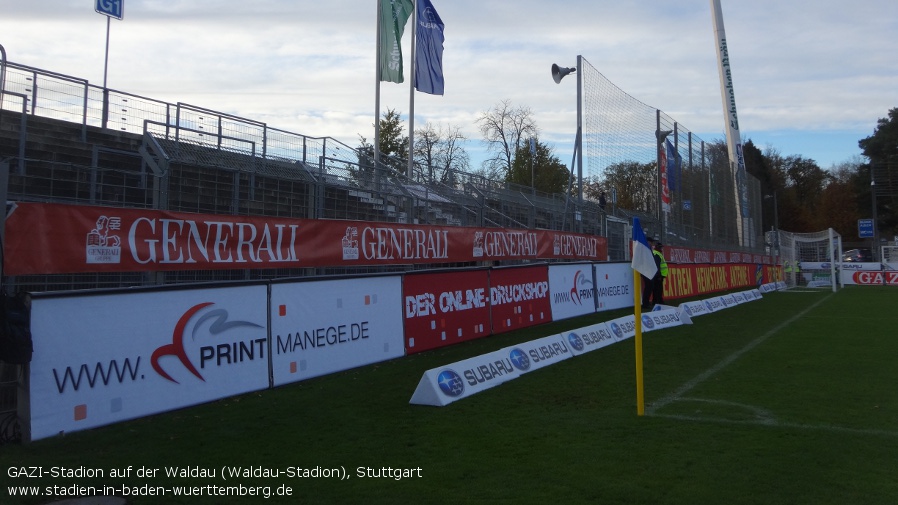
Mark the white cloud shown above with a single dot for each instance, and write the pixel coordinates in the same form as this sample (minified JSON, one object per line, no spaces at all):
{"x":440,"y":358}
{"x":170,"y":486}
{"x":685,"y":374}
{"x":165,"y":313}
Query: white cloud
{"x":803,"y":67}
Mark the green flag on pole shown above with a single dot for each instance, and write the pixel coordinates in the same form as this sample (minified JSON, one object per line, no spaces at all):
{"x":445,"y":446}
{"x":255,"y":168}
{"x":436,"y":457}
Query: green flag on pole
{"x":393,"y":18}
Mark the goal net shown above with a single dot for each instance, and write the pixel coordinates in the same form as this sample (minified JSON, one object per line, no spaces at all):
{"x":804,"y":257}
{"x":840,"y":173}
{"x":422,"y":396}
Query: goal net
{"x":810,"y":259}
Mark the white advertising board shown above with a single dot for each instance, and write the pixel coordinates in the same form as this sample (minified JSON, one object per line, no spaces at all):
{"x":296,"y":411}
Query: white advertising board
{"x":860,"y":267}
{"x":729,"y":300}
{"x":694,"y":308}
{"x":539,"y":353}
{"x":660,"y":319}
{"x":572,"y":290}
{"x":714,"y":303}
{"x":614,"y":286}
{"x":768,"y":288}
{"x":590,"y":338}
{"x":622,"y":327}
{"x":105,"y":358}
{"x":322,"y":327}
{"x":446,"y":384}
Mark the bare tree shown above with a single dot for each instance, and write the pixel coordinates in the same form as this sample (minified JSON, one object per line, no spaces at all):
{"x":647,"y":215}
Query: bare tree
{"x":504,"y":128}
{"x":439,"y":149}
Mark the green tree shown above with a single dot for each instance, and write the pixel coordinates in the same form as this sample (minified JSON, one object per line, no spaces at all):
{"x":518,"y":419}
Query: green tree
{"x":800,"y":200}
{"x":635,"y":184}
{"x":838,"y":202}
{"x":547,"y":173}
{"x":393,"y":145}
{"x":882,"y":146}
{"x":882,"y":150}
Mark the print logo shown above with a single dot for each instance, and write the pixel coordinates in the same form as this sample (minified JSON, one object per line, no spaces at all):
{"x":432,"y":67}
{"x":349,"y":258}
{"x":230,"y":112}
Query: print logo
{"x":217,"y":354}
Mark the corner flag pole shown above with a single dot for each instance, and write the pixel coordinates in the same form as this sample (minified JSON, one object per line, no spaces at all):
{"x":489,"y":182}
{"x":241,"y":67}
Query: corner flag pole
{"x":637,"y":314}
{"x":643,"y":264}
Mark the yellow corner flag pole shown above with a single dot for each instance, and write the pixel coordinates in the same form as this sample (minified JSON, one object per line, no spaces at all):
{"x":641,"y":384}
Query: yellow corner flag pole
{"x":637,"y":305}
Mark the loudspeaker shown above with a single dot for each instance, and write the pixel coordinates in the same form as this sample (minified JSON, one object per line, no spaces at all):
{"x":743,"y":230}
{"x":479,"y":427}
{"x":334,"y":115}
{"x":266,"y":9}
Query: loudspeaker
{"x":558,"y":73}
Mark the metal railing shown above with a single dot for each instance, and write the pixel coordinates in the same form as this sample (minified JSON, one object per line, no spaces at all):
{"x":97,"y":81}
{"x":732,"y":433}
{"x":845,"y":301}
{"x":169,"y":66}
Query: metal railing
{"x":141,"y":152}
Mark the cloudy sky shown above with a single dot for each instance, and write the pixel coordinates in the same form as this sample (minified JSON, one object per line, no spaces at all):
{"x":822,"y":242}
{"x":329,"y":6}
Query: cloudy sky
{"x":811,"y":77}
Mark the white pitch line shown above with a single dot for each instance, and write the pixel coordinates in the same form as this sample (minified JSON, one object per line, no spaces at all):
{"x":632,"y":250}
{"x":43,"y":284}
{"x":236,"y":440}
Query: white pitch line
{"x":676,"y":395}
{"x":768,"y":422}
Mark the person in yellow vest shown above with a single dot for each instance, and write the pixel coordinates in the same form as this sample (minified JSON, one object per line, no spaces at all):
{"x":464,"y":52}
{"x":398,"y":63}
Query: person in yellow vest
{"x":660,"y":276}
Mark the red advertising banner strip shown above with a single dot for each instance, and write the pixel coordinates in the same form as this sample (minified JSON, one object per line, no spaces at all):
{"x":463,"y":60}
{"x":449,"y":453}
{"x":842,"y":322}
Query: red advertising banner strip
{"x":442,"y":309}
{"x":685,"y":281}
{"x":57,"y":238}
{"x":519,"y":297}
{"x":677,"y":254}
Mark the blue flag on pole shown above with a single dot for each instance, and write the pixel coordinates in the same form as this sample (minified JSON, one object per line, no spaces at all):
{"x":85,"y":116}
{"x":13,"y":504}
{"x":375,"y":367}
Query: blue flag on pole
{"x":429,"y":50}
{"x":674,"y":162}
{"x":643,"y":261}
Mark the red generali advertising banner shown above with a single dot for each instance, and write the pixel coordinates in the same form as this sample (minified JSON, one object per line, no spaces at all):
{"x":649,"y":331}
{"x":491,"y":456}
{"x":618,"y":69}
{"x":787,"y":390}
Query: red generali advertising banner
{"x":55,"y":238}
{"x":445,"y":308}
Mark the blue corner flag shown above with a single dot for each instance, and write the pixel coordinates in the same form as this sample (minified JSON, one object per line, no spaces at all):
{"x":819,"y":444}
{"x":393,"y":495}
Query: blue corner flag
{"x":429,"y":50}
{"x":643,"y":262}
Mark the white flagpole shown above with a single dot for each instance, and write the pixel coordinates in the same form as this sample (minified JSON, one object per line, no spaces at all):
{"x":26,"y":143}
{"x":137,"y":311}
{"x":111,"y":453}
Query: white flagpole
{"x":377,"y":77}
{"x":411,"y":98}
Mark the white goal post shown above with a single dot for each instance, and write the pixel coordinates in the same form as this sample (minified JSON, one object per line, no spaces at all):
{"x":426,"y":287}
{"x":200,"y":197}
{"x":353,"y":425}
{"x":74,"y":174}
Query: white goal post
{"x":810,"y":260}
{"x":889,"y":257}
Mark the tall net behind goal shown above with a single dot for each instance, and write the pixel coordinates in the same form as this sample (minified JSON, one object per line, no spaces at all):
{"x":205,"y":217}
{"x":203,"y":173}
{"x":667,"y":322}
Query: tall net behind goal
{"x":621,"y":156}
{"x":810,"y":259}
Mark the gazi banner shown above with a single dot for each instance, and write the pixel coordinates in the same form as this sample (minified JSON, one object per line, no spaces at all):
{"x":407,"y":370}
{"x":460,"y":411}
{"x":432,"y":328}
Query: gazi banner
{"x":105,"y":358}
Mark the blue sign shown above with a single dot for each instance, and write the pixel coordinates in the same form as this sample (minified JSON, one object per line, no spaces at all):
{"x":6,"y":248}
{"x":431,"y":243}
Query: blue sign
{"x":687,"y":204}
{"x":112,"y":8}
{"x":865,"y":228}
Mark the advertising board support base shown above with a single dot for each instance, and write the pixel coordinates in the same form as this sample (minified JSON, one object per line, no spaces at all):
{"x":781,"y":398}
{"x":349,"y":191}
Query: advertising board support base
{"x":426,"y":393}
